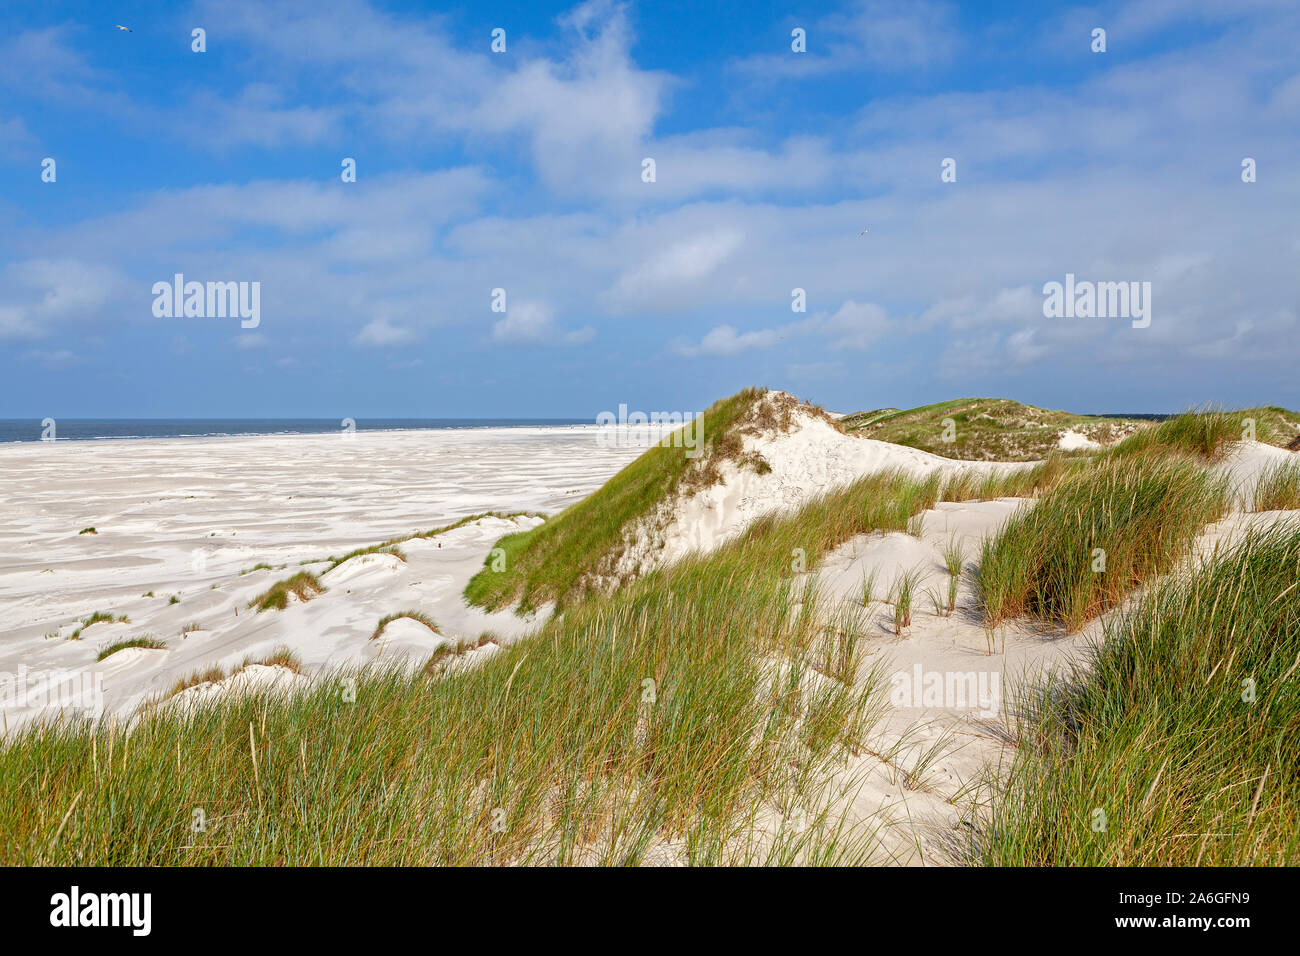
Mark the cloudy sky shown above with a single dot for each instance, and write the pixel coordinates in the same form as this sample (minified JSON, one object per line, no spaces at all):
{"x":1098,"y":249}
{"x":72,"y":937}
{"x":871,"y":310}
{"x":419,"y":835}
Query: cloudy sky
{"x":523,"y":171}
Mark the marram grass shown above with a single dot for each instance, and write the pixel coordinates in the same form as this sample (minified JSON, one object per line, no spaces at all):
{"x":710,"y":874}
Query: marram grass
{"x":1103,"y":530}
{"x":1175,"y":743}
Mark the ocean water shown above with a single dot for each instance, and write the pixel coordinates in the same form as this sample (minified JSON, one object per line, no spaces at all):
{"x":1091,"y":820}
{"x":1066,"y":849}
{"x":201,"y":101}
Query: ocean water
{"x":86,"y":429}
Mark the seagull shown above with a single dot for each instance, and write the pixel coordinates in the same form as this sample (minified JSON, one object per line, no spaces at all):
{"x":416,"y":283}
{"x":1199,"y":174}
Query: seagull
{"x":120,"y":27}
{"x":862,"y":233}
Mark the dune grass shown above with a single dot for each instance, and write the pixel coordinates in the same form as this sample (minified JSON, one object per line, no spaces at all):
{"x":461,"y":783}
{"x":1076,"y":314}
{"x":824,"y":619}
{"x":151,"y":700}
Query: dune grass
{"x":984,"y":429}
{"x":954,"y":559}
{"x":98,"y":617}
{"x":145,"y":642}
{"x":87,"y":531}
{"x":1278,"y":489}
{"x":206,"y":675}
{"x":1175,"y":744}
{"x":391,"y":545}
{"x":1100,"y":532}
{"x":281,"y":656}
{"x":903,"y":596}
{"x":413,"y":615}
{"x":1204,"y":433}
{"x":441,"y":657}
{"x":388,"y":547}
{"x":554,"y":561}
{"x":304,"y":585}
{"x":677,"y":718}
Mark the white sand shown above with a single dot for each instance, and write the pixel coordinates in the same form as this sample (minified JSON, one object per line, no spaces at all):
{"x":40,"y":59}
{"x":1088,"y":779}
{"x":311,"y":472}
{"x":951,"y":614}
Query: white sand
{"x":185,"y":516}
{"x":1071,"y":440}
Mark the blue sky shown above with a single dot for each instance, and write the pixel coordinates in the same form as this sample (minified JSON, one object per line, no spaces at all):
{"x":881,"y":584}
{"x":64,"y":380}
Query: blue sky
{"x":522,"y":171}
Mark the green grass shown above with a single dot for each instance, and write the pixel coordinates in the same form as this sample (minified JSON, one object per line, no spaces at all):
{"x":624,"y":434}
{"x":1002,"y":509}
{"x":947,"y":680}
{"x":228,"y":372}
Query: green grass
{"x":954,"y":559}
{"x":413,"y":615}
{"x":391,"y":545}
{"x":281,"y":656}
{"x":87,"y":531}
{"x":146,"y":642}
{"x":304,"y":585}
{"x":557,"y":560}
{"x":441,"y":657}
{"x":984,"y":429}
{"x":998,"y":429}
{"x":97,"y":618}
{"x":1205,"y":434}
{"x":1180,"y":729}
{"x":386,"y":548}
{"x":652,"y":718}
{"x":207,"y":675}
{"x":1278,"y":488}
{"x":261,"y":566}
{"x":902,"y":597}
{"x":1103,"y":530}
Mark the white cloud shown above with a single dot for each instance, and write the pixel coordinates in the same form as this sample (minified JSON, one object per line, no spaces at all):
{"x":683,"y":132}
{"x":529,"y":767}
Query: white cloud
{"x":43,"y":293}
{"x":725,"y":340}
{"x":855,"y":325}
{"x":380,"y":333}
{"x":686,"y":262}
{"x":533,"y":323}
{"x":53,"y":359}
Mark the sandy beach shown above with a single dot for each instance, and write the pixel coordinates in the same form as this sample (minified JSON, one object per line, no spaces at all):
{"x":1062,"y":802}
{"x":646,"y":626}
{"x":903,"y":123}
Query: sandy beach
{"x":183,"y":518}
{"x":182,"y":526}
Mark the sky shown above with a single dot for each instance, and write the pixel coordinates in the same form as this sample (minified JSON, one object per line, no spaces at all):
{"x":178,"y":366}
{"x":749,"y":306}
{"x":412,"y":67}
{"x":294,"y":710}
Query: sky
{"x":525,"y":171}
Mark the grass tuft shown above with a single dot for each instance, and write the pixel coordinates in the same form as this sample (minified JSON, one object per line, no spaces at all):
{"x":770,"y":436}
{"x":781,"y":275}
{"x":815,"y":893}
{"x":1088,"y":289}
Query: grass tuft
{"x":413,"y":615}
{"x":146,"y":642}
{"x":1101,"y":532}
{"x":304,"y":585}
{"x":97,"y":618}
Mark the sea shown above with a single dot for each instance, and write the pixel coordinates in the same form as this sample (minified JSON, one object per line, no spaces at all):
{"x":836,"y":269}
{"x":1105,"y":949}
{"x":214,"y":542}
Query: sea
{"x":107,"y":429}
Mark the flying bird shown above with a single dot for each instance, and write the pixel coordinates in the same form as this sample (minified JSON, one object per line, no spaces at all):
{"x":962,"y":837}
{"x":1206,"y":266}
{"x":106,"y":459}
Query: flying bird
{"x":120,"y":27}
{"x":862,"y":233}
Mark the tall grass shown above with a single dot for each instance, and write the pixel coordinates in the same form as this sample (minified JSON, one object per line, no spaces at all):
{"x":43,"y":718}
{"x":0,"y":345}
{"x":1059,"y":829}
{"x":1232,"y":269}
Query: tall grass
{"x":1205,"y":433}
{"x":1176,"y":743}
{"x":1278,"y":488}
{"x":1100,"y":532}
{"x":667,"y":721}
{"x":954,"y":558}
